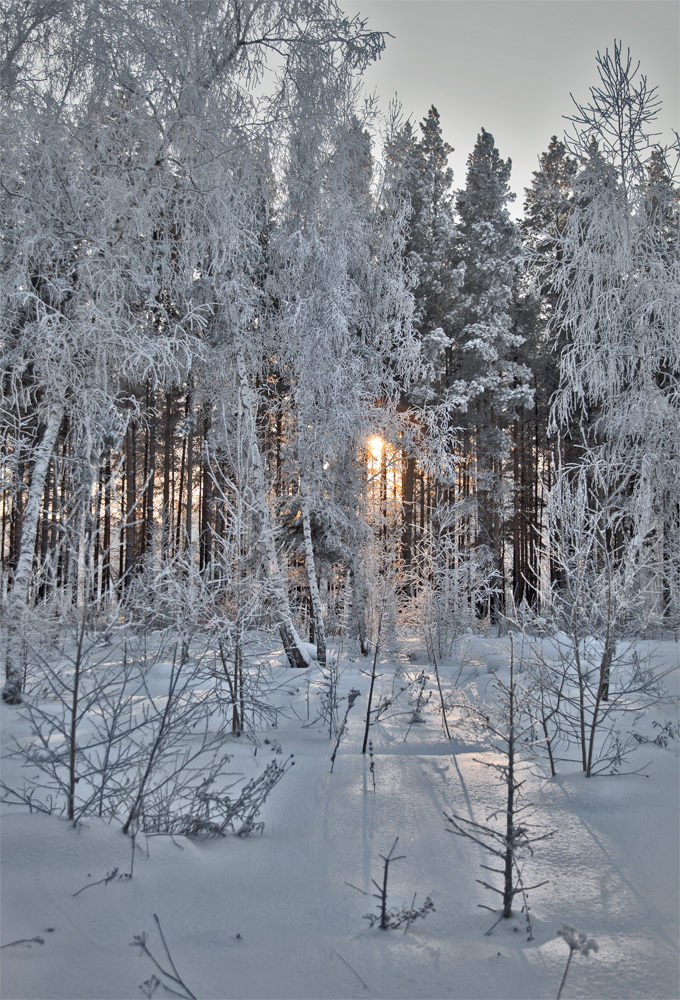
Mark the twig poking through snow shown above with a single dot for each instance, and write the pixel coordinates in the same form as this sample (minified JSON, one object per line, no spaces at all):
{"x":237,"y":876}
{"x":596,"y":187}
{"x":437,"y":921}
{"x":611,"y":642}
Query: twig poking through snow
{"x":577,"y":941}
{"x":27,"y":941}
{"x":351,"y":698}
{"x":109,"y":877}
{"x":139,"y":941}
{"x":350,"y":967}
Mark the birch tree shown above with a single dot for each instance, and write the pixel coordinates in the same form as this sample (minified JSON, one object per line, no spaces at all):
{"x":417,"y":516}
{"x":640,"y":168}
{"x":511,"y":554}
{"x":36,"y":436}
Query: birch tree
{"x":81,"y":294}
{"x":618,"y":282}
{"x":339,"y":324}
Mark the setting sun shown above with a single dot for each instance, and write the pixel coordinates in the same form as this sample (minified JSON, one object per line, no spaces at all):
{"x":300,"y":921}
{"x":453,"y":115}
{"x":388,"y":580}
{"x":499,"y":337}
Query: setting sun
{"x":375,"y":447}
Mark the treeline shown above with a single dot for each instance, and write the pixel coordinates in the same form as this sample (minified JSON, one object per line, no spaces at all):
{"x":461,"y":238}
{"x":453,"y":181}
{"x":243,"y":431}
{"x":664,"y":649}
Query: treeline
{"x":255,"y":343}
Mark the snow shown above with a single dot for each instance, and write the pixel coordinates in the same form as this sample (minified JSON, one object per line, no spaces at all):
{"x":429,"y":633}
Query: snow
{"x":273,"y":916}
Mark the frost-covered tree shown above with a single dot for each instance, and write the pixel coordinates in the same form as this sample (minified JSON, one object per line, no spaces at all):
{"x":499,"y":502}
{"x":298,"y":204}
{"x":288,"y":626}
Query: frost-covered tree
{"x":509,"y":724}
{"x":550,"y":196}
{"x":320,"y":236}
{"x":599,"y":604}
{"x":339,"y":330}
{"x":125,"y":217}
{"x":617,"y":277}
{"x":83,"y":294}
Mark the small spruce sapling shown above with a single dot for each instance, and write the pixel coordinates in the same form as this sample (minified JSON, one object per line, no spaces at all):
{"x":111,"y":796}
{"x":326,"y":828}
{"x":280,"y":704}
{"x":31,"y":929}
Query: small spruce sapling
{"x":667,"y":731}
{"x":387,"y":919}
{"x":511,"y":842}
{"x":202,"y":812}
{"x":330,"y":700}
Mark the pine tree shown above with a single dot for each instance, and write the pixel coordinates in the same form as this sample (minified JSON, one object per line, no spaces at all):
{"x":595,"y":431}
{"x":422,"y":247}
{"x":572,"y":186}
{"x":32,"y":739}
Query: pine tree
{"x":486,"y":342}
{"x":424,"y":179}
{"x":547,"y":204}
{"x":549,"y":199}
{"x":420,"y":176}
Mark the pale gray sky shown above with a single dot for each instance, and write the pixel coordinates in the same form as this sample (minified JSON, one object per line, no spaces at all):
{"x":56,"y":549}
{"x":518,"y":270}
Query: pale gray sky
{"x":510,"y":65}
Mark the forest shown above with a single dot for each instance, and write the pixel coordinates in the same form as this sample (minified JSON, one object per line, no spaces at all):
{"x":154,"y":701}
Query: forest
{"x":273,"y":386}
{"x":254,"y":339}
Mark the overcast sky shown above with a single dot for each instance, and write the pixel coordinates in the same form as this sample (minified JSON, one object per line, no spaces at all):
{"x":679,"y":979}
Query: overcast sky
{"x":510,"y":65}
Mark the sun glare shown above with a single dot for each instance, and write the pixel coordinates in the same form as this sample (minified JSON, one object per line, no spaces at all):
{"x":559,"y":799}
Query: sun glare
{"x":383,"y":467}
{"x":375,"y":448}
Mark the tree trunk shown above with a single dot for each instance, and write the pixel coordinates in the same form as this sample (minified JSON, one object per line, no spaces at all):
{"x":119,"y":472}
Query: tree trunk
{"x":18,"y":597}
{"x":97,"y":540}
{"x":517,"y":533}
{"x":150,"y":476}
{"x":511,"y":787}
{"x":189,"y":511}
{"x":407,"y":502}
{"x":360,"y":596}
{"x":44,"y":535}
{"x":178,"y":522}
{"x":292,"y":644}
{"x":108,"y":500}
{"x":205,"y":531}
{"x":130,"y":501}
{"x":317,"y":613}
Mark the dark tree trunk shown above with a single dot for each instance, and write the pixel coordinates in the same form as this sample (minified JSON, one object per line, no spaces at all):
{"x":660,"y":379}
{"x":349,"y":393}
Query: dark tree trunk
{"x":130,"y":500}
{"x":150,"y":475}
{"x":108,"y":499}
{"x":205,"y":525}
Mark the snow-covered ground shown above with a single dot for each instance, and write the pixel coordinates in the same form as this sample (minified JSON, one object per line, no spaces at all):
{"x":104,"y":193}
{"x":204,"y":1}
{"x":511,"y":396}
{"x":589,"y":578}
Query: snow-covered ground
{"x":281,"y":915}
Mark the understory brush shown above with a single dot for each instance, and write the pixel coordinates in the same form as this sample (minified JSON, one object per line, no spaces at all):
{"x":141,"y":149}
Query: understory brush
{"x":197,"y":810}
{"x":587,"y":667}
{"x":134,"y":728}
{"x":582,"y":688}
